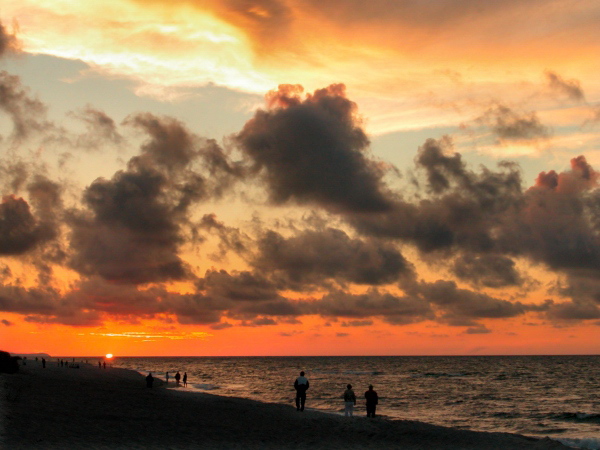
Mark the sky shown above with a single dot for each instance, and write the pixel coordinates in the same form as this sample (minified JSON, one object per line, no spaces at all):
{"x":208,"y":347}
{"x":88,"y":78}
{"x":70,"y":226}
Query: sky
{"x":293,"y":177}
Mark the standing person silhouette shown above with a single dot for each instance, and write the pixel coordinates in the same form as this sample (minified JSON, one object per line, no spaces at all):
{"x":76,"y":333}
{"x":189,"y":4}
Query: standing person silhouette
{"x":349,"y":401}
{"x":167,"y":377}
{"x":301,"y":385}
{"x":149,"y":380}
{"x":177,"y":377}
{"x":372,"y":400}
{"x":185,"y":379}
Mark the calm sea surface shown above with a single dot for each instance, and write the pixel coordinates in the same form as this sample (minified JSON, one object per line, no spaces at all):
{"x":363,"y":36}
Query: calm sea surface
{"x":554,"y":396}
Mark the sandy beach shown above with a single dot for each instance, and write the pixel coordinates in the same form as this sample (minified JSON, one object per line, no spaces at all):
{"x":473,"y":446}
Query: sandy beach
{"x":90,"y":407}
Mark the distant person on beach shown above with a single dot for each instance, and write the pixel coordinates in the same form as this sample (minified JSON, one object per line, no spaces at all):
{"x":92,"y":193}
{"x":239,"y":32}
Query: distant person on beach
{"x":185,"y":379}
{"x":301,"y":385}
{"x":167,"y":377}
{"x":43,"y":363}
{"x":104,"y":364}
{"x":99,"y":364}
{"x":177,"y":377}
{"x":349,"y":401}
{"x":372,"y":400}
{"x":149,"y":380}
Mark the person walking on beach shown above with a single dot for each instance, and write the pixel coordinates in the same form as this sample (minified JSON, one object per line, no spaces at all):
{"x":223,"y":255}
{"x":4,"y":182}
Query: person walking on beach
{"x":301,"y":385}
{"x":167,"y":377}
{"x":349,"y":401}
{"x":185,"y":379}
{"x":372,"y":400}
{"x":177,"y":377}
{"x":43,"y":363}
{"x":149,"y":380}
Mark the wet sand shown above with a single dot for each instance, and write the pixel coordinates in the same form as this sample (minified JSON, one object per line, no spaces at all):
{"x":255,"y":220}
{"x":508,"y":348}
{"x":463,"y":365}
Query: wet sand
{"x":89,"y":407}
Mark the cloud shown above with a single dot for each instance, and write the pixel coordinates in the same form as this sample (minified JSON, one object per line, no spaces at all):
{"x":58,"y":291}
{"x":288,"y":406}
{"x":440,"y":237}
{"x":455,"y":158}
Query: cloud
{"x":100,"y":128}
{"x":314,"y":256}
{"x":570,"y":88}
{"x":8,"y":42}
{"x":314,"y":150}
{"x":462,"y":305}
{"x":20,"y":230}
{"x":390,"y":308}
{"x":481,"y":329}
{"x":494,"y":271}
{"x":28,"y":114}
{"x":357,"y":323}
{"x":133,"y":224}
{"x":509,"y":125}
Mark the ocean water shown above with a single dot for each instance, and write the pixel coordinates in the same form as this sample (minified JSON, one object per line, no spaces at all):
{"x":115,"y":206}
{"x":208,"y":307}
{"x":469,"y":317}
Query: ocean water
{"x":554,"y":396}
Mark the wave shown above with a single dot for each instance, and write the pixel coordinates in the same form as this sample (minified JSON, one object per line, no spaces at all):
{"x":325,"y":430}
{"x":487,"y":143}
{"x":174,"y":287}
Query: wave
{"x":584,"y":443}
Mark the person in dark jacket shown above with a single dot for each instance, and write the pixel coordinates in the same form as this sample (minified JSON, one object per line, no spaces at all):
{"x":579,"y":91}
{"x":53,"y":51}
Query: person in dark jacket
{"x":372,"y":400}
{"x":149,"y":380}
{"x":301,"y":385}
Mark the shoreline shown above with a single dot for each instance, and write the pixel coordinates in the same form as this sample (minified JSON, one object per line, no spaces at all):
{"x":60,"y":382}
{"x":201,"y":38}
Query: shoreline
{"x":95,"y":408}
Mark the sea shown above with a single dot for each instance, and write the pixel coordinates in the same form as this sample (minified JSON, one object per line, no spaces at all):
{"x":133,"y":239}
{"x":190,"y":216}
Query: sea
{"x":539,"y":396}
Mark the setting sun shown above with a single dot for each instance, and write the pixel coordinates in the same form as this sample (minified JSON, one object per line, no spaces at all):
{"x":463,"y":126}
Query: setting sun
{"x":109,"y":355}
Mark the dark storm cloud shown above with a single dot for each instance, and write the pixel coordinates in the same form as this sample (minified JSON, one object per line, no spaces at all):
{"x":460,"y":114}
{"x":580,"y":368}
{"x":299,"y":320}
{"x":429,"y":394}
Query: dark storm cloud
{"x":20,"y":230}
{"x":494,"y":271}
{"x":509,"y":125}
{"x":464,"y":212}
{"x":18,"y":299}
{"x":27,"y":113}
{"x":570,"y":88}
{"x":393,"y":309}
{"x":240,"y":286}
{"x":466,"y":305}
{"x":313,"y":256}
{"x":314,"y":150}
{"x":131,"y":232}
{"x":134,"y":223}
{"x":574,"y":311}
{"x":559,"y":225}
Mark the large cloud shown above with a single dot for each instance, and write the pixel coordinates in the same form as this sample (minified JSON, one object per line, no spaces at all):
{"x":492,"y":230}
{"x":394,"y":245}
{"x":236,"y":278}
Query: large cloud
{"x":22,"y":229}
{"x":313,"y":150}
{"x":313,"y":256}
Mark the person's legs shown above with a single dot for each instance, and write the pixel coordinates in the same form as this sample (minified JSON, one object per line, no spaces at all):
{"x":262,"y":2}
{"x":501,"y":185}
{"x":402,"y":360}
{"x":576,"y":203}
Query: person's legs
{"x":297,"y":401}
{"x":302,"y":401}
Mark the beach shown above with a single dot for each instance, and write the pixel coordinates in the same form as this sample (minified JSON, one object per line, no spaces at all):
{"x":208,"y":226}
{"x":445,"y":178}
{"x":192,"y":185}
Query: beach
{"x":88,"y":407}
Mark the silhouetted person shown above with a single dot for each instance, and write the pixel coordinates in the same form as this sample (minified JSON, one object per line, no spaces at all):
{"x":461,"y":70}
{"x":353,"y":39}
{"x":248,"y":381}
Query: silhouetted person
{"x":167,"y":377}
{"x":177,"y":377}
{"x":104,"y":364}
{"x":149,"y":380}
{"x":43,"y":363}
{"x":185,"y":379}
{"x":372,"y":400}
{"x":99,"y":364}
{"x":349,"y":401}
{"x":301,"y":385}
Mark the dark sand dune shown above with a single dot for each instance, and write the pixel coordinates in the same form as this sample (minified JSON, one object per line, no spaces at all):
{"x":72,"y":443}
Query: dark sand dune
{"x":93,"y":408}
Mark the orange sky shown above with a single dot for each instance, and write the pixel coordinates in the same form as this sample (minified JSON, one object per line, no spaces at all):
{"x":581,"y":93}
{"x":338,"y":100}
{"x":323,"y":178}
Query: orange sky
{"x":291,"y":177}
